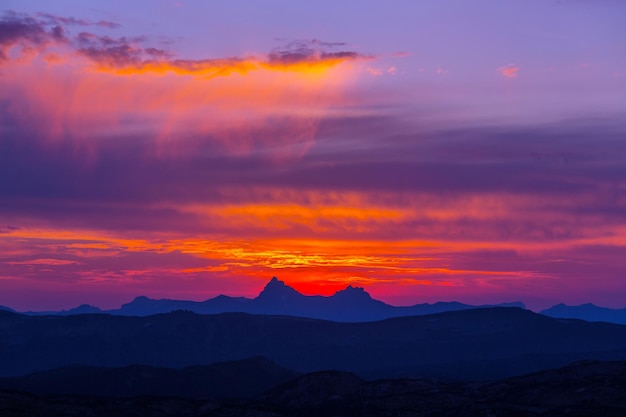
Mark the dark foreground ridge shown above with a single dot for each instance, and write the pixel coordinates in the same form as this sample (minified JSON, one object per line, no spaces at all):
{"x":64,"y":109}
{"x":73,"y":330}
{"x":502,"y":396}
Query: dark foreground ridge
{"x":246,"y":378}
{"x":479,"y":344}
{"x":581,"y":389}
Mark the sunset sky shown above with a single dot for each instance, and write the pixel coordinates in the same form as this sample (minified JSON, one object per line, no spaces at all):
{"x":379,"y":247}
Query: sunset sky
{"x":425,"y":150}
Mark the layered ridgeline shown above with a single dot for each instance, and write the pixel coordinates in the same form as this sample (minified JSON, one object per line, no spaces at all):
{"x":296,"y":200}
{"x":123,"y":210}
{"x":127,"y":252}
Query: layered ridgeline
{"x":469,"y":344}
{"x":581,"y":389}
{"x":353,"y":304}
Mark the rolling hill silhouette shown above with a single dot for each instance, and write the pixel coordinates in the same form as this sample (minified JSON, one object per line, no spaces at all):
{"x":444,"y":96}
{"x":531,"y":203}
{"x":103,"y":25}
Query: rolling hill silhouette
{"x":479,"y":343}
{"x":246,"y":378}
{"x":581,"y":389}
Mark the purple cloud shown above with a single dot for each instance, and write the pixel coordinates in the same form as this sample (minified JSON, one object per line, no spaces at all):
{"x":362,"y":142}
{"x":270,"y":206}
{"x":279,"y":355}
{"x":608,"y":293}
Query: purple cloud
{"x":21,"y":30}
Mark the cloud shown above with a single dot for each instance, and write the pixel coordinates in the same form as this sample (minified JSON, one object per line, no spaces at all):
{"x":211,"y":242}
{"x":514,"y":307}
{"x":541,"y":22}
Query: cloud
{"x":509,"y":71}
{"x":44,"y":261}
{"x":310,"y":52}
{"x":126,"y":57}
{"x":377,"y":72}
{"x":39,"y":31}
{"x":72,"y":21}
{"x":122,"y":52}
{"x":19,"y":30}
{"x":132,"y":55}
{"x":8,"y":229}
{"x":258,"y":112}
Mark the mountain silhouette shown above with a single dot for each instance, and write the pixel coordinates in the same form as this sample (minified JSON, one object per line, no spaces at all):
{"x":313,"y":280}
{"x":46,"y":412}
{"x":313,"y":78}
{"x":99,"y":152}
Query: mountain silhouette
{"x":588,"y":312}
{"x":352,"y":304}
{"x":586,"y":388}
{"x":3,"y":308}
{"x":278,"y":290}
{"x":472,"y":344}
{"x":246,"y":378}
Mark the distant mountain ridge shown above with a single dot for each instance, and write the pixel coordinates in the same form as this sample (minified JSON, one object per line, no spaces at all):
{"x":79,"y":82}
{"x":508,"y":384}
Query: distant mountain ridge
{"x":353,"y":304}
{"x":587,"y":312}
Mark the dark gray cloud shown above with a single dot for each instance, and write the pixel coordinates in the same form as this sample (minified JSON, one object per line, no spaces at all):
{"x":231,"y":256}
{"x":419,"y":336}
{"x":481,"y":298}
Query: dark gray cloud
{"x":21,"y":30}
{"x":40,"y":30}
{"x":43,"y":29}
{"x":303,"y":51}
{"x":117,"y":52}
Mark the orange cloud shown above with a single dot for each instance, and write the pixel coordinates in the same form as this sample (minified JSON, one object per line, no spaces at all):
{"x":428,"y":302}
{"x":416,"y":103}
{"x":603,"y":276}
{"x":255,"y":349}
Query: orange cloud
{"x":271,"y":100}
{"x":123,"y":56}
{"x":276,"y":106}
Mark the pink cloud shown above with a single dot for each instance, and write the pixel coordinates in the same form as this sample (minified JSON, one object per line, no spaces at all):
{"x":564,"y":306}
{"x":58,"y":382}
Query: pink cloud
{"x":376,"y":72}
{"x":509,"y":71}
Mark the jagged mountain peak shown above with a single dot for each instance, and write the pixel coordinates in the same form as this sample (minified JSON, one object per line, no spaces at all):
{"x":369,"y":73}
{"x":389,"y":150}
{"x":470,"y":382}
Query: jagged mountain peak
{"x":141,"y":298}
{"x":276,"y":287}
{"x":351,"y":291}
{"x":275,"y":282}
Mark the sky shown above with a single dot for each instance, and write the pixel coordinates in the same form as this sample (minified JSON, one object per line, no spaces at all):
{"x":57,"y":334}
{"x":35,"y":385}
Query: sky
{"x":426,"y":151}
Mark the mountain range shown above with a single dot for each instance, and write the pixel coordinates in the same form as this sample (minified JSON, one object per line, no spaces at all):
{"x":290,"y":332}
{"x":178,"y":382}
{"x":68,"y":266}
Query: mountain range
{"x":352,"y":304}
{"x":482,"y":343}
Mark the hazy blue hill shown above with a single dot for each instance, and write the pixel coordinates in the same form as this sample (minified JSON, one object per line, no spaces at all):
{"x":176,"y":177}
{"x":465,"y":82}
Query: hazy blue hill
{"x":479,"y":343}
{"x":246,"y":378}
{"x":588,"y":312}
{"x":3,"y":308}
{"x":83,"y":309}
{"x":144,"y":306}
